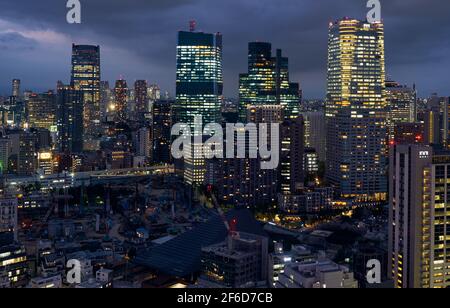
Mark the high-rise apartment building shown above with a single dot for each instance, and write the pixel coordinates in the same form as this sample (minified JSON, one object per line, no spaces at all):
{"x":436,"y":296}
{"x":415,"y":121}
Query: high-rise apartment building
{"x":86,"y":77}
{"x":355,"y":110}
{"x":267,"y":81}
{"x":419,"y":253}
{"x":291,"y":168}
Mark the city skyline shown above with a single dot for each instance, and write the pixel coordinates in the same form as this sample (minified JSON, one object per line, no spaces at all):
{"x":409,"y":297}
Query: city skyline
{"x":148,"y":52}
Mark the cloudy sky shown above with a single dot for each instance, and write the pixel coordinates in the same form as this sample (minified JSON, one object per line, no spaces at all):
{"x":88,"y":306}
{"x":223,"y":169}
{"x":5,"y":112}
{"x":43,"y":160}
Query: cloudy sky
{"x":138,"y":38}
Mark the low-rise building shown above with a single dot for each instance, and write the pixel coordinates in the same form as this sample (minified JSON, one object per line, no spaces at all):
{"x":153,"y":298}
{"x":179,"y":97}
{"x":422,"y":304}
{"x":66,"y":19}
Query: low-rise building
{"x":317,"y":275}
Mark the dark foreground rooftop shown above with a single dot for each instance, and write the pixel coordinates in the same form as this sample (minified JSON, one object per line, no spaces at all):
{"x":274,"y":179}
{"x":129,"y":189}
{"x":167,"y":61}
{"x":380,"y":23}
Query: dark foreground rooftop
{"x":181,"y":256}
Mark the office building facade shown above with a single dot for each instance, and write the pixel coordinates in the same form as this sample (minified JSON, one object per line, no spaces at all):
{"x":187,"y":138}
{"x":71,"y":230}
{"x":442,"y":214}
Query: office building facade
{"x":355,"y":111}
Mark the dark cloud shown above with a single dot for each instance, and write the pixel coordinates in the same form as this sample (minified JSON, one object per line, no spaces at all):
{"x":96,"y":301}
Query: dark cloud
{"x":138,"y":37}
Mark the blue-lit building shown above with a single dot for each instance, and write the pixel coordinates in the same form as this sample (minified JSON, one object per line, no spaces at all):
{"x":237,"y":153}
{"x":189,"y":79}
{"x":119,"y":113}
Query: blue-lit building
{"x":267,"y":81}
{"x":199,"y":89}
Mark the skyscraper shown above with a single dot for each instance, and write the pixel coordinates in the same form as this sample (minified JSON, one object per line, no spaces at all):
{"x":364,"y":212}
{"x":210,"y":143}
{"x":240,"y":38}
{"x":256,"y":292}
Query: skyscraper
{"x":16,"y":88}
{"x":418,"y":217}
{"x":162,"y":125}
{"x":315,"y":132}
{"x":27,"y":159}
{"x":355,"y":110}
{"x":401,"y":105}
{"x":41,"y":110}
{"x":86,"y":78}
{"x":106,"y":100}
{"x":291,"y":171}
{"x":267,"y":81}
{"x":121,"y":99}
{"x":198,"y":90}
{"x":437,"y":121}
{"x":69,"y":113}
{"x":141,"y":99}
{"x":199,"y":77}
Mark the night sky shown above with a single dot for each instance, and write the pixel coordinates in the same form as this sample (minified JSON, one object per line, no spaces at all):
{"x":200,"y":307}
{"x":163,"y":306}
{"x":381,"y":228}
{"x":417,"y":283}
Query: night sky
{"x":138,"y":38}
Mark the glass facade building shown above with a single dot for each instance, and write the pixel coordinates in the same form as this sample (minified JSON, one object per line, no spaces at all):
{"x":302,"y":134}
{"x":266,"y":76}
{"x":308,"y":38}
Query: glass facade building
{"x":356,"y":110}
{"x":267,"y":81}
{"x":86,"y":78}
{"x":199,"y":90}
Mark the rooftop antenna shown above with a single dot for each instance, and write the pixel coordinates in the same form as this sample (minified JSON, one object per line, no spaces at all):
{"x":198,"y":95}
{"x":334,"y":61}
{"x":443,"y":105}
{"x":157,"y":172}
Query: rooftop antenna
{"x":192,"y":25}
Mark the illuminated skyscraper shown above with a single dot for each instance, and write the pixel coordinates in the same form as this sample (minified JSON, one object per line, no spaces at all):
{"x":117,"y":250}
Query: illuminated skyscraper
{"x":86,"y":78}
{"x":355,"y":110}
{"x":121,"y":99}
{"x":141,"y":98}
{"x":16,"y":88}
{"x":267,"y":81}
{"x":401,"y":105}
{"x":41,"y":110}
{"x":199,"y":89}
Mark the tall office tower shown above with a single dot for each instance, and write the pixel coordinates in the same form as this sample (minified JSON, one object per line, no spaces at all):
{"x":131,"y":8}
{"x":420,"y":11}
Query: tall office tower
{"x":4,"y":154}
{"x":105,"y":98}
{"x":162,"y":126}
{"x":316,"y":132}
{"x":419,"y":216}
{"x":153,"y":94}
{"x":291,"y":171}
{"x":355,"y":110}
{"x":70,"y":120}
{"x":27,"y":158}
{"x":141,"y":98}
{"x":267,"y":81}
{"x":121,"y":99}
{"x":86,"y":78}
{"x":41,"y":110}
{"x":198,"y":90}
{"x":401,"y":105}
{"x":16,"y":88}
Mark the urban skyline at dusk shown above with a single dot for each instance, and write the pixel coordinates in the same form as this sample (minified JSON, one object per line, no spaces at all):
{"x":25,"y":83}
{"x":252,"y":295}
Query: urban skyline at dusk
{"x":143,"y":37}
{"x":224,"y":150}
